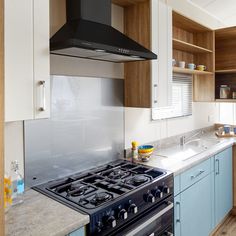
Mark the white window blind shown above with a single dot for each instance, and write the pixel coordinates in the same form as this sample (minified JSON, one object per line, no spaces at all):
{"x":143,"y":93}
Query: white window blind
{"x":182,"y":95}
{"x":181,"y":99}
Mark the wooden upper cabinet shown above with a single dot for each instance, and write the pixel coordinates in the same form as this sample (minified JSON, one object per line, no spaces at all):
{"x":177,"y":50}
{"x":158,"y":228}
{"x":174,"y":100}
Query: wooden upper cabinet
{"x":225,"y":58}
{"x":138,"y":74}
{"x":226,"y":50}
{"x":147,"y":83}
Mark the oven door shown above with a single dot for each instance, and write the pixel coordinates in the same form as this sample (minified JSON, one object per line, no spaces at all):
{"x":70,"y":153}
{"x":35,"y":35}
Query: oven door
{"x":157,"y":222}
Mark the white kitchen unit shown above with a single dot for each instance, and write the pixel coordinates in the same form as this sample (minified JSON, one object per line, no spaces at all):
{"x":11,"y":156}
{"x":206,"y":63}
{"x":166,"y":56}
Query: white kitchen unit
{"x":162,"y":46}
{"x":27,"y":74}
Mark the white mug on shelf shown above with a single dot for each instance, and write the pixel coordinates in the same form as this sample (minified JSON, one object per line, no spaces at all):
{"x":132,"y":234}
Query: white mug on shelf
{"x":182,"y":64}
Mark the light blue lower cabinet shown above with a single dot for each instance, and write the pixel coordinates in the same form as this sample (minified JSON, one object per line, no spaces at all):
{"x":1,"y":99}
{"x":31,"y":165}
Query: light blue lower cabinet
{"x":201,"y":206}
{"x":223,"y":185}
{"x":196,"y":208}
{"x":177,"y":215}
{"x":78,"y":232}
{"x":193,"y":209}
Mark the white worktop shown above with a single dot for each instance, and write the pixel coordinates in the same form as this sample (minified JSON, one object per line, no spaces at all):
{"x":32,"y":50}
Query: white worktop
{"x":177,"y":165}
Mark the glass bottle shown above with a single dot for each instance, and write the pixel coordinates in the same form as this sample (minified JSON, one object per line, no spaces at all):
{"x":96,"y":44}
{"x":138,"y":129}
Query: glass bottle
{"x":17,"y":184}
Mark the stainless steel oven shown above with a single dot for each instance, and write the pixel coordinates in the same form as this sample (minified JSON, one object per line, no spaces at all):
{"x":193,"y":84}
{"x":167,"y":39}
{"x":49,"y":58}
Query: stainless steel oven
{"x":155,"y":222}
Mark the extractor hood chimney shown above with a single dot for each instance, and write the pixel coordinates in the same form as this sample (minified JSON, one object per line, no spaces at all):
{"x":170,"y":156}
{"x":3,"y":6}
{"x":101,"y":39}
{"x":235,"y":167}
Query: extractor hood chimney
{"x":88,"y":34}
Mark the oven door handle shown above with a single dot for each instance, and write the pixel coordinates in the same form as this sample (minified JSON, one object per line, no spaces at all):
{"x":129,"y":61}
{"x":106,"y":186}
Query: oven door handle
{"x":149,"y":221}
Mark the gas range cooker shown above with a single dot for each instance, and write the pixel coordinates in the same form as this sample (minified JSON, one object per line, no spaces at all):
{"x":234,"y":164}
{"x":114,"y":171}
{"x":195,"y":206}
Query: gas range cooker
{"x":114,"y":195}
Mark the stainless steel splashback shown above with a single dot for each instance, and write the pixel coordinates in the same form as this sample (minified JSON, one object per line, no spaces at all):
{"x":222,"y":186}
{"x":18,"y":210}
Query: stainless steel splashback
{"x":86,"y":129}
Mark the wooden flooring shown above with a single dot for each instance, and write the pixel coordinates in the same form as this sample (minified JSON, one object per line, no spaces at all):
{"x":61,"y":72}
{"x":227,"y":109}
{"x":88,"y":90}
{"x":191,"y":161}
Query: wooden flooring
{"x":228,"y":228}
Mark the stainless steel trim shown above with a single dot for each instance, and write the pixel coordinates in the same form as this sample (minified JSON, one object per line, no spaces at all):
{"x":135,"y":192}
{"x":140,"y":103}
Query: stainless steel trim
{"x":198,"y":174}
{"x":155,"y":93}
{"x":42,"y":83}
{"x":149,"y":221}
{"x":178,"y":219}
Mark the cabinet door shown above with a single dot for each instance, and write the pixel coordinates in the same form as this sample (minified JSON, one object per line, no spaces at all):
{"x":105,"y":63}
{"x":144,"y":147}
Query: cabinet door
{"x":196,"y":208}
{"x":162,"y":46}
{"x":79,"y":232}
{"x":41,"y":59}
{"x":177,"y":221}
{"x":223,"y":184}
{"x":19,"y":104}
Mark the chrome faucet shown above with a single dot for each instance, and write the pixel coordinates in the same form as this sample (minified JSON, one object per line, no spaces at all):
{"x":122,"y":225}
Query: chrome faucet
{"x":183,"y":140}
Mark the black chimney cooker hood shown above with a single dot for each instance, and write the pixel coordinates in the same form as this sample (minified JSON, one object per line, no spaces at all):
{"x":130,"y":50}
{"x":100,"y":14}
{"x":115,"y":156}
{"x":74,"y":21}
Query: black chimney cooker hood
{"x":88,"y":34}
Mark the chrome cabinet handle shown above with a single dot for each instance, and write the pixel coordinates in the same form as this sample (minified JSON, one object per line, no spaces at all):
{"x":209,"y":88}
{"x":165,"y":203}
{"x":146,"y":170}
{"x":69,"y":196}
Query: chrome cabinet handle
{"x":197,"y":175}
{"x":178,"y":207}
{"x":155,"y":93}
{"x":42,"y":84}
{"x":150,"y":220}
{"x":218,"y":166}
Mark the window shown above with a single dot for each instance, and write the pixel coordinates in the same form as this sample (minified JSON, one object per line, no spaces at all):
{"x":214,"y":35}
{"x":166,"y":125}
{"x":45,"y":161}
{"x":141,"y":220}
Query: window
{"x":181,"y":99}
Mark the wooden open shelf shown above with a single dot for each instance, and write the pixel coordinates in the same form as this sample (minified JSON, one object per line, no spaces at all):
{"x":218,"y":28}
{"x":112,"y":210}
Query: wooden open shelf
{"x":225,"y":100}
{"x":228,"y":71}
{"x":195,"y":43}
{"x":184,"y":23}
{"x":188,"y":47}
{"x":125,"y":3}
{"x":188,"y":71}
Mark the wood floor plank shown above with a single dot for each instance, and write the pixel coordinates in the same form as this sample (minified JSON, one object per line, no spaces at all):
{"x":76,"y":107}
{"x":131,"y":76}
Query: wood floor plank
{"x":228,"y":228}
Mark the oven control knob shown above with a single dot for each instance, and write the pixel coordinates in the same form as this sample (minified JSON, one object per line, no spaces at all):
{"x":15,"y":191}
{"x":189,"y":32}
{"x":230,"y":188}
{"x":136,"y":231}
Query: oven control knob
{"x":158,"y":193}
{"x":133,"y":208}
{"x":166,"y":189}
{"x":123,"y":214}
{"x":150,"y":198}
{"x":99,"y":226}
{"x":111,"y":221}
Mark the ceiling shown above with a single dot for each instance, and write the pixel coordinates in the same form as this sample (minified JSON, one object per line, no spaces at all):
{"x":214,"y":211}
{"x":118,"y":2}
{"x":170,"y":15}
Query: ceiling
{"x":224,"y":10}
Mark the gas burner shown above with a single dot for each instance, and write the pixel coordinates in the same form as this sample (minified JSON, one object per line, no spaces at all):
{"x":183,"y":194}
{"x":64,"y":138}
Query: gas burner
{"x":138,"y":180}
{"x":117,"y":174}
{"x":77,"y":189}
{"x":100,"y":198}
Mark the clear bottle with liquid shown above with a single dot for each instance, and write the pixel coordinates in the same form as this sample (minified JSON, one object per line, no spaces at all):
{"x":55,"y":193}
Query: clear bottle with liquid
{"x":17,"y":184}
{"x":134,"y":153}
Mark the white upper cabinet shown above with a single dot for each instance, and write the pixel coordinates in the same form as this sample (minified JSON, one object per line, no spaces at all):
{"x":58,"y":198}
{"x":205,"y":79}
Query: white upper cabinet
{"x":41,"y":59}
{"x":27,"y":74}
{"x":18,"y":60}
{"x":161,"y":45}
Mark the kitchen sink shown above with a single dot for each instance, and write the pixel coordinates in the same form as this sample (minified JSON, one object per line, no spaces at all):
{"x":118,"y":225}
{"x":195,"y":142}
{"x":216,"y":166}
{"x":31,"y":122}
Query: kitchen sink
{"x":189,"y":149}
{"x":181,"y":152}
{"x":205,"y":143}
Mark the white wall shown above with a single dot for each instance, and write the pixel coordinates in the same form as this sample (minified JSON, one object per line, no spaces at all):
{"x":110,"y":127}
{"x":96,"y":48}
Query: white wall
{"x":226,"y":113}
{"x":14,"y":145}
{"x":139,"y":127}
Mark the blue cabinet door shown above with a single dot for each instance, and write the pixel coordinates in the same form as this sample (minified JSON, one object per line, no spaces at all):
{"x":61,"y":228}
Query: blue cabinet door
{"x":196,"y":208}
{"x":177,"y":216}
{"x":79,"y":232}
{"x":223,"y":184}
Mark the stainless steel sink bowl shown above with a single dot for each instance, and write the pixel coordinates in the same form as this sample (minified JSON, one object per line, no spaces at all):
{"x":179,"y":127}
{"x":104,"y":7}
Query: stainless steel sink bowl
{"x":206,"y":143}
{"x":189,"y":149}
